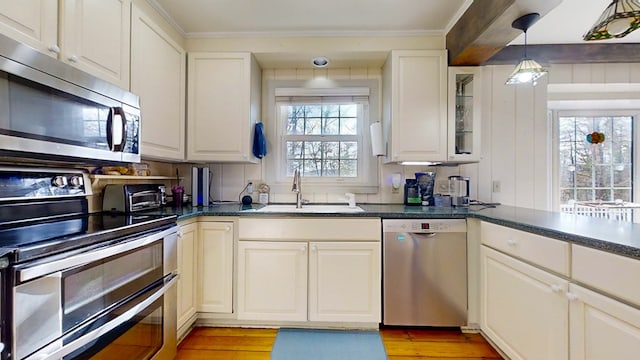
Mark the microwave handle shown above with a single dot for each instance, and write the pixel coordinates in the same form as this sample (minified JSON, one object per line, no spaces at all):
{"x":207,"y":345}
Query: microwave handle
{"x":116,"y":129}
{"x":59,"y":352}
{"x":31,"y":272}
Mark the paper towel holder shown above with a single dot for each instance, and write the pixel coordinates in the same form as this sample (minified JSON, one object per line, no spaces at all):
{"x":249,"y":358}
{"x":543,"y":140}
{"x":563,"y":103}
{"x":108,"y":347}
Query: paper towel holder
{"x":376,"y":139}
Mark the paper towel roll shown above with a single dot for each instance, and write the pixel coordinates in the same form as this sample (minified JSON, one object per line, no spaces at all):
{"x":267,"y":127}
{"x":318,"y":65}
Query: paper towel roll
{"x":376,"y":139}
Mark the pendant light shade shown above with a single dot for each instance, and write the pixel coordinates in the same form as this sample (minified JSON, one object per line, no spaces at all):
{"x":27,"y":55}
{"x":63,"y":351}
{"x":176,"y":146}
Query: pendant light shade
{"x":617,"y":20}
{"x":528,"y":70}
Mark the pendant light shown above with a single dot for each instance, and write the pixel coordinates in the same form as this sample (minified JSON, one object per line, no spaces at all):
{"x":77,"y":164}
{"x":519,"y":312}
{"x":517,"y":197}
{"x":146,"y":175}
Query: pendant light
{"x":528,"y":70}
{"x":617,"y":20}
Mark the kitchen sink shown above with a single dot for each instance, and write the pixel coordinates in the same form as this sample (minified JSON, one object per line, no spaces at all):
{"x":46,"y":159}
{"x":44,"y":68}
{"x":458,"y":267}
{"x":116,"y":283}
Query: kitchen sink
{"x":324,"y":208}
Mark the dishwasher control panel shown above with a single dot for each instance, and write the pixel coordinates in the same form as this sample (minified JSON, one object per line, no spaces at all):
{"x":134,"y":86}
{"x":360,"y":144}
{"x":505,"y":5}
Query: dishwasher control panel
{"x":424,"y":225}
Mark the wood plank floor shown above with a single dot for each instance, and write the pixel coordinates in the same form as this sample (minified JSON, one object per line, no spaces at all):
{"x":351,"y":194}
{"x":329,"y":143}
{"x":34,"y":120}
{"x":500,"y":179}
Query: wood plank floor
{"x":401,"y":344}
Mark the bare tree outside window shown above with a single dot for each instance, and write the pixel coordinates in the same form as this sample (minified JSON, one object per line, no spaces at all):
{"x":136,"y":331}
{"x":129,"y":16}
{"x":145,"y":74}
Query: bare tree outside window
{"x":595,"y":172}
{"x":322,"y":140}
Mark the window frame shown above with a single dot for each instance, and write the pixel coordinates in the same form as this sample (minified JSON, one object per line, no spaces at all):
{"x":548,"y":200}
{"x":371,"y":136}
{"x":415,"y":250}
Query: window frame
{"x":368,"y":164}
{"x":635,"y":136}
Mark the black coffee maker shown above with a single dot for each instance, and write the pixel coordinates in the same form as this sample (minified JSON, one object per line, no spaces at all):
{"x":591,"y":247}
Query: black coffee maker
{"x":419,"y":191}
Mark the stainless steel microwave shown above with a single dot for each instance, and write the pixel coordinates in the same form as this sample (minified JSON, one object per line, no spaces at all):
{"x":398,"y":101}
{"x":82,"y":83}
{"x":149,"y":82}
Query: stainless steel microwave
{"x":51,"y":110}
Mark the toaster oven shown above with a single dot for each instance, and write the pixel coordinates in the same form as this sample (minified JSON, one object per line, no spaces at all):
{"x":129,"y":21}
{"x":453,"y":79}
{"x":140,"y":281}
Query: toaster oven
{"x":131,"y":197}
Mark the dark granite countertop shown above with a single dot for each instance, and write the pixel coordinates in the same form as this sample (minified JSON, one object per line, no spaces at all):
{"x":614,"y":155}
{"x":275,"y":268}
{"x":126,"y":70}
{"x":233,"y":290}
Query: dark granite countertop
{"x":613,"y":236}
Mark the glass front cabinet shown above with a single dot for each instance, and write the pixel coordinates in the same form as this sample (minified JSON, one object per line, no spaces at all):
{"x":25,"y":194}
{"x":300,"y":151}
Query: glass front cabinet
{"x":464,"y":114}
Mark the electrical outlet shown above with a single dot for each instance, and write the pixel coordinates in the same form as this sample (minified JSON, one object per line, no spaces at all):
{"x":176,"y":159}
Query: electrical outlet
{"x":442,"y":186}
{"x":250,"y":188}
{"x":496,"y":186}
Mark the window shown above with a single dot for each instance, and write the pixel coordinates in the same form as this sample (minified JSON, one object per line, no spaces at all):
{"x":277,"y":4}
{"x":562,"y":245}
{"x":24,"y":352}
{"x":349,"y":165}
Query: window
{"x":594,"y":172}
{"x":323,"y":140}
{"x":321,"y":126}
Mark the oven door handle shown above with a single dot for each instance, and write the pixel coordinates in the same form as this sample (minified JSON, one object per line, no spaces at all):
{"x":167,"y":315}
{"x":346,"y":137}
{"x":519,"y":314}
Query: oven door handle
{"x":91,"y":336}
{"x":34,"y":271}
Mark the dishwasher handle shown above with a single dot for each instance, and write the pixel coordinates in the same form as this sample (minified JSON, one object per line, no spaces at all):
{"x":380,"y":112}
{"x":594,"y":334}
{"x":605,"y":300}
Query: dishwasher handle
{"x":425,"y":235}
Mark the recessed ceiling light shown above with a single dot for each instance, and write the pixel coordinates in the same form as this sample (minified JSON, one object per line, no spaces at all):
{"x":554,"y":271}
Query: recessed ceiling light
{"x":320,"y":62}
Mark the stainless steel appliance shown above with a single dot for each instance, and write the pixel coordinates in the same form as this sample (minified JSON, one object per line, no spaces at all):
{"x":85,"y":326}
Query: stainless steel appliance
{"x":424,"y":272}
{"x":132,"y":197}
{"x":459,"y":187}
{"x":52,"y":110}
{"x":79,"y":285}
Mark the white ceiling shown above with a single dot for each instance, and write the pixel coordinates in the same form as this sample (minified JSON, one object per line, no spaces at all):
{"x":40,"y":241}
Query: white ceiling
{"x":567,"y":23}
{"x":198,"y":18}
{"x":255,"y":18}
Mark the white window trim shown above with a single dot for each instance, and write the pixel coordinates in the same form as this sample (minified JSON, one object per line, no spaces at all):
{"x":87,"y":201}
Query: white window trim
{"x":367,"y":163}
{"x":555,"y":153}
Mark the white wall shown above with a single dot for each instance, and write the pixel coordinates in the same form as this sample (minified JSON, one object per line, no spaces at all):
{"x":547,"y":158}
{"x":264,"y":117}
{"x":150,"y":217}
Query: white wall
{"x":516,"y":129}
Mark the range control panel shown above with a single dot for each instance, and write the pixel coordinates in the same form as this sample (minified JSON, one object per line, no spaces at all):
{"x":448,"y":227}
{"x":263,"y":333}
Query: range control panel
{"x":424,"y":225}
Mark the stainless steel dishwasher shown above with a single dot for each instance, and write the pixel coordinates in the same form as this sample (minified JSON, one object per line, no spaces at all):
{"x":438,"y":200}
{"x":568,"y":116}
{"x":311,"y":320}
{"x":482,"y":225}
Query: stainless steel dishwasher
{"x":424,"y":272}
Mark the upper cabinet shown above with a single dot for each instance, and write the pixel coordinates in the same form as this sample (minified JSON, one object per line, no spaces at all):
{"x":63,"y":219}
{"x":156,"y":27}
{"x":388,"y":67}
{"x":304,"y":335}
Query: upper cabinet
{"x":33,"y":22}
{"x":223,"y":104}
{"x":158,"y":72}
{"x":464,"y":114}
{"x":414,"y":105}
{"x":93,"y":36}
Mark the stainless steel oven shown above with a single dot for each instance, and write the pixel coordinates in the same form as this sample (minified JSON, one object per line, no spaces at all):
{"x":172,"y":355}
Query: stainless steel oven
{"x":76,"y":285}
{"x":70,"y":303}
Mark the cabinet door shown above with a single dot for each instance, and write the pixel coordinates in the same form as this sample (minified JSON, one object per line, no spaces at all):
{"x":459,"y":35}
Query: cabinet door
{"x":464,"y":113}
{"x":33,"y":22}
{"x":95,"y":37}
{"x":223,"y":106}
{"x":158,"y":70}
{"x":418,"y":105}
{"x":187,"y":272}
{"x":524,"y":309}
{"x":215,"y":266}
{"x":272,"y":281}
{"x":344,"y":281}
{"x":602,"y":328}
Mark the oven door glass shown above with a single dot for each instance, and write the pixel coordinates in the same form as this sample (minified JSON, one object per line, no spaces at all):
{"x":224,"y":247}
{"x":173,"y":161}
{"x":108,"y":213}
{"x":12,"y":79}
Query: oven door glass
{"x":137,"y":339}
{"x":98,"y":286}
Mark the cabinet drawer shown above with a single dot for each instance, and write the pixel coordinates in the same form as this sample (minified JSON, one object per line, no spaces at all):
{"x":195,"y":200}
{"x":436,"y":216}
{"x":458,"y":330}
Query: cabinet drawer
{"x":539,"y":250}
{"x":614,"y":274}
{"x":326,"y":229}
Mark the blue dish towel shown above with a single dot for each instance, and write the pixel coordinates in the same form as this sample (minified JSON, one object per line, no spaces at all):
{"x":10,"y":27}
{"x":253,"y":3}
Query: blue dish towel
{"x":259,"y":141}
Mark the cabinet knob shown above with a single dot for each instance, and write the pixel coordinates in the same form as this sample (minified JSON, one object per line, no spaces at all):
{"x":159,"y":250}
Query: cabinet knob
{"x":572,"y":296}
{"x":180,"y":234}
{"x":73,"y":59}
{"x":555,"y":288}
{"x":512,"y":242}
{"x":54,"y":48}
{"x":227,"y":228}
{"x":314,"y":248}
{"x":304,"y":249}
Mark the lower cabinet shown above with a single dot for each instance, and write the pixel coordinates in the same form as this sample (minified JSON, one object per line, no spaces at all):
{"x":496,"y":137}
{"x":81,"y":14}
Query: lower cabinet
{"x":187,"y":275}
{"x":215,"y":267}
{"x":344,"y":281}
{"x":309,"y":281}
{"x":601,"y":327}
{"x":272,"y":281}
{"x":524,"y":309}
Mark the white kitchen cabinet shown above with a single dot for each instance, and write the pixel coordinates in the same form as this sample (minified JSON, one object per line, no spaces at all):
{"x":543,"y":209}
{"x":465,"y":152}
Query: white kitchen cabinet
{"x":524,"y":309}
{"x":223,"y":105}
{"x":215,"y":266}
{"x":33,"y":22}
{"x":95,"y":37}
{"x":272,"y":280}
{"x":92,"y":35}
{"x":309,"y":269}
{"x":187,"y":246}
{"x":158,"y":71}
{"x":414,"y":105}
{"x":602,"y":328}
{"x":464,"y":113}
{"x":344,"y":281}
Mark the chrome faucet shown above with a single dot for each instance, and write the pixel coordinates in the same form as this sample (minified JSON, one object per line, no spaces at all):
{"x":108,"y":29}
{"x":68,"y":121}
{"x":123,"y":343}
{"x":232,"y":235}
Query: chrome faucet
{"x":297,"y":188}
